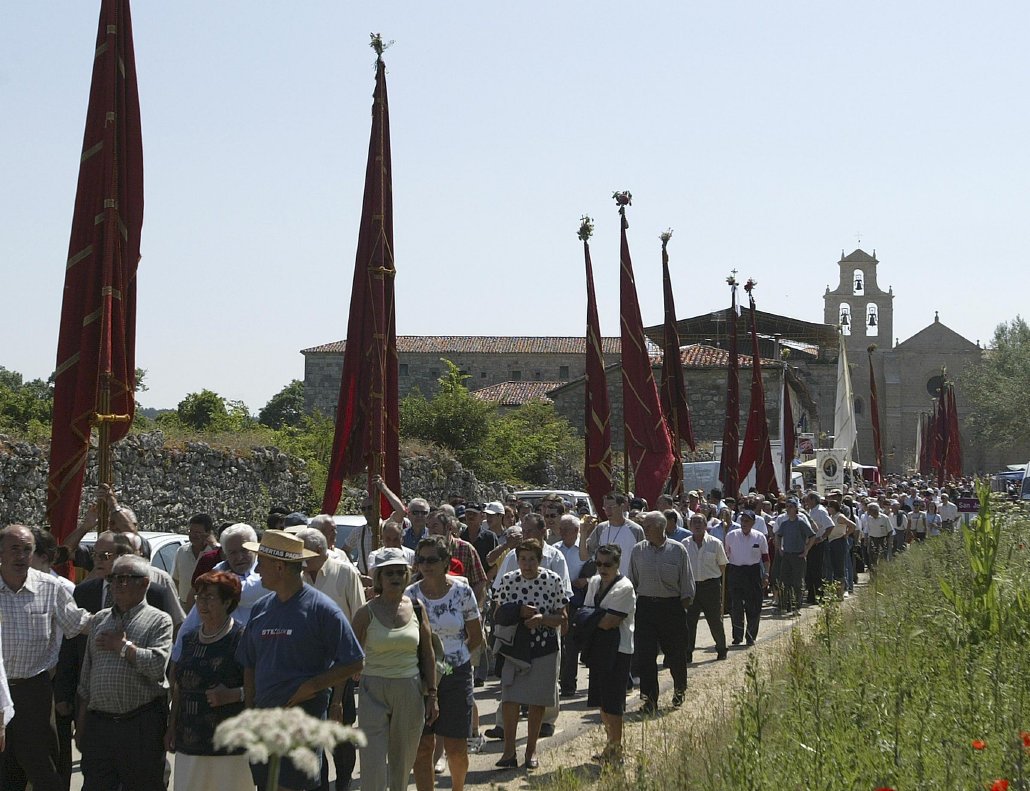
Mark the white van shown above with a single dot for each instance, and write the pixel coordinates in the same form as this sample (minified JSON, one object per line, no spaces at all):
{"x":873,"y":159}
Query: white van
{"x":575,"y":502}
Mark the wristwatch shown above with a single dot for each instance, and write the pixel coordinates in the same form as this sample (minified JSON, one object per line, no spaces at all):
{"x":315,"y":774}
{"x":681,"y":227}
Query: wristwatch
{"x":125,"y":649}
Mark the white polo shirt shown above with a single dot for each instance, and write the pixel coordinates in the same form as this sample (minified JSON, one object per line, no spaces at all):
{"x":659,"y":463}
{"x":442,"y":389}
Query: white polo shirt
{"x":746,"y":550}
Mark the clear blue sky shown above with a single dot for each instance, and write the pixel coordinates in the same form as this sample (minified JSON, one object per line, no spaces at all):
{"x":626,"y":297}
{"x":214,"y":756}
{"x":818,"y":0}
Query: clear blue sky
{"x":767,"y":135}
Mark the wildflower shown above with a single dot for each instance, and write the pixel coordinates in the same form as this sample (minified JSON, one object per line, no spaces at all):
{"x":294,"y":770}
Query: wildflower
{"x":884,"y":788}
{"x":978,"y":744}
{"x":1025,"y":736}
{"x":1000,"y":785}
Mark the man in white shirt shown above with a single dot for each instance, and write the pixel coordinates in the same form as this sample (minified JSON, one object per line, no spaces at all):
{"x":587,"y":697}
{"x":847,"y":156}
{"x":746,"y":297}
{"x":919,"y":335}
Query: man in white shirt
{"x":201,"y":532}
{"x":617,"y":530}
{"x":949,"y":514}
{"x":822,"y":524}
{"x":708,"y":562}
{"x":568,"y":545}
{"x":878,"y":529}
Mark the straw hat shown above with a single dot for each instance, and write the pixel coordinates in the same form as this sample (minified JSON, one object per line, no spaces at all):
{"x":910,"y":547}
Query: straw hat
{"x":279,"y":545}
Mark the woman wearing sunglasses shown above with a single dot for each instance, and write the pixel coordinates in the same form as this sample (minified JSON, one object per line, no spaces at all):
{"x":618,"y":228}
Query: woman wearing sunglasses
{"x":609,"y":675}
{"x":450,"y":607}
{"x":398,"y":654}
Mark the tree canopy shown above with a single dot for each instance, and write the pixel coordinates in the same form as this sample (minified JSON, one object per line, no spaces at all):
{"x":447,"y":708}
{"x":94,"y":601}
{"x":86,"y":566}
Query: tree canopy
{"x":999,"y":387}
{"x":285,"y":408}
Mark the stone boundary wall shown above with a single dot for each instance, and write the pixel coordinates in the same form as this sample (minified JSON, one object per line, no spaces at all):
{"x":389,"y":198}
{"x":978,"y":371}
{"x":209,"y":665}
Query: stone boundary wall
{"x":166,"y":485}
{"x":163,"y":485}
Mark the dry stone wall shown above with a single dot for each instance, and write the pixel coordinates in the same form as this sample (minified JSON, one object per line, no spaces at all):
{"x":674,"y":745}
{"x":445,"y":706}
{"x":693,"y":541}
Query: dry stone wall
{"x":165,"y":485}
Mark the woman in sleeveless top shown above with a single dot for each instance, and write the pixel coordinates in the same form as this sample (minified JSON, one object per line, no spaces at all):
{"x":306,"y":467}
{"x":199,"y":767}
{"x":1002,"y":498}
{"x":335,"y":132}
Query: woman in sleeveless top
{"x":398,"y":654}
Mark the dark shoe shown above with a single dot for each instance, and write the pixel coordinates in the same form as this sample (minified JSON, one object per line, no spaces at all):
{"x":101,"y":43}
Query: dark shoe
{"x":532,"y":763}
{"x":736,"y":641}
{"x":508,"y":763}
{"x":496,"y":732}
{"x":751,"y":641}
{"x":546,"y":729}
{"x":721,"y":655}
{"x":479,"y":682}
{"x":678,"y":698}
{"x":649,"y":709}
{"x":568,"y":693}
{"x":690,"y":659}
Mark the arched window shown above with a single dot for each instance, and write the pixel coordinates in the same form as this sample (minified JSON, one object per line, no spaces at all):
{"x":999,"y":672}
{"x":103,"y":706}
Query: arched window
{"x":858,"y":281}
{"x":933,"y":386}
{"x":844,"y":318}
{"x":859,"y":405}
{"x":872,"y":319}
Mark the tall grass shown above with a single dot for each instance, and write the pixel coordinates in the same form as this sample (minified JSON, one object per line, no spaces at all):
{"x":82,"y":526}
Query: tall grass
{"x":923,"y":684}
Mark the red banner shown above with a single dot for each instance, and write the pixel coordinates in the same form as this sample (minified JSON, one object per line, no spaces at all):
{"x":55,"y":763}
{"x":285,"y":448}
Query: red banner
{"x":756,"y":450}
{"x":874,"y":413}
{"x":97,"y":340}
{"x":953,"y":463}
{"x":731,"y":429}
{"x":367,"y":411}
{"x":790,"y":438}
{"x":597,"y":414}
{"x":646,"y":436}
{"x":674,"y":388}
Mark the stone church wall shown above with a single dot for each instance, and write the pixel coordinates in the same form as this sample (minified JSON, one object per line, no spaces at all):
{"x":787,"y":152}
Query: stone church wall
{"x":322,"y":371}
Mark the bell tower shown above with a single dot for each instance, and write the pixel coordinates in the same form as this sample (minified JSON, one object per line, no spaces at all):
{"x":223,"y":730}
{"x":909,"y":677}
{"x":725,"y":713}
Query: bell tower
{"x":864,"y":312}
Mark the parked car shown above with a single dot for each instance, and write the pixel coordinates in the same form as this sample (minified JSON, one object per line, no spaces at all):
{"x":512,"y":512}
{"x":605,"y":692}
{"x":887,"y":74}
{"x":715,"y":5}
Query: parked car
{"x":163,"y":546}
{"x":575,"y":502}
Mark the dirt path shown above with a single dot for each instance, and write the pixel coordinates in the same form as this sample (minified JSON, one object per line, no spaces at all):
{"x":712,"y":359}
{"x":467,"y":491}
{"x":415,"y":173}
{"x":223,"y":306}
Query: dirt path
{"x":578,"y":736}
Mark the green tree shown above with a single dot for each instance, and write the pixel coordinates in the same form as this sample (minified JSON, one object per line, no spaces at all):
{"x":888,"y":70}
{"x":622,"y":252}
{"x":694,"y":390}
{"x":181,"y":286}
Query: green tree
{"x":998,"y":385}
{"x":285,"y":408}
{"x":454,"y":418}
{"x":203,"y":411}
{"x":26,"y":408}
{"x":522,"y":443}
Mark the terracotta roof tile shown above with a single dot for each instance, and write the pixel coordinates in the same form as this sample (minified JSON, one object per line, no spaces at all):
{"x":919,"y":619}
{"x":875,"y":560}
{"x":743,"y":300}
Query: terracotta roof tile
{"x":483,"y":344}
{"x":516,"y":393}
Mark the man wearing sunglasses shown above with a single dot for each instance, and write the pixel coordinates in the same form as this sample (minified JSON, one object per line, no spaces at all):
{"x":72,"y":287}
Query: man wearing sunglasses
{"x":123,"y":688}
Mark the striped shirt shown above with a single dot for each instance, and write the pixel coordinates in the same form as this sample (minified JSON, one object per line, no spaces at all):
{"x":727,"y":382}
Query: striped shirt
{"x":112,"y":684}
{"x":34,"y":619}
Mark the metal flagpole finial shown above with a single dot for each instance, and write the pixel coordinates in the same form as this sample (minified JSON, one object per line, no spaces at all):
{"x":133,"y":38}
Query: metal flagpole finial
{"x":749,"y":286}
{"x":586,"y":227}
{"x":665,"y":236}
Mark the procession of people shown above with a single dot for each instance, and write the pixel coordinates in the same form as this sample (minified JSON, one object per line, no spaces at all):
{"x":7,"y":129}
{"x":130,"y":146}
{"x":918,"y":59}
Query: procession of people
{"x":550,"y":603}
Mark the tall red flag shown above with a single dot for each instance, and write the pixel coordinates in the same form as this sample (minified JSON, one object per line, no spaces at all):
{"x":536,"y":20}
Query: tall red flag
{"x":943,"y":439}
{"x":931,"y":439}
{"x":367,"y":412}
{"x":645,"y":434}
{"x":790,"y":437}
{"x":597,"y":471}
{"x":96,"y":347}
{"x":756,"y":449}
{"x":730,"y":428}
{"x":954,"y":459}
{"x":874,"y":412}
{"x":674,"y":388}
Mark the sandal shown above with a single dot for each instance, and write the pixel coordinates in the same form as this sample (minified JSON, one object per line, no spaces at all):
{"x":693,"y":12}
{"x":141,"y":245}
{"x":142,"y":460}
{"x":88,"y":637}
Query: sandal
{"x":508,"y":763}
{"x":532,"y":763}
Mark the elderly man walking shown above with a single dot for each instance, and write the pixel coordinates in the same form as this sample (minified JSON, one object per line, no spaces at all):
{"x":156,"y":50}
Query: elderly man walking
{"x":660,"y":571}
{"x":708,"y":562}
{"x":123,"y":703}
{"x":297,"y":646}
{"x":747,"y":551}
{"x":36,"y":610}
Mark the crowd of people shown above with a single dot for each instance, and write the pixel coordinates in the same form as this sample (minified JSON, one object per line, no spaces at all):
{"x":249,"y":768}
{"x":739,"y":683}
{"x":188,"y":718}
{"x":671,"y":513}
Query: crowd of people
{"x":395,"y":629}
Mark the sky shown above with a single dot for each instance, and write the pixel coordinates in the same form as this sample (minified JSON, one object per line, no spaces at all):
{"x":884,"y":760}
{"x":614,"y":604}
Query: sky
{"x":768,"y":136}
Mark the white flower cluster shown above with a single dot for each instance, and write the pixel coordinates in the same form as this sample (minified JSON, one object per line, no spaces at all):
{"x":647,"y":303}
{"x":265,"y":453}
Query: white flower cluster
{"x":284,"y":732}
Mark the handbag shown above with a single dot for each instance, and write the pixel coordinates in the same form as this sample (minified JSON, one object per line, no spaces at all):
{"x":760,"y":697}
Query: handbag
{"x":440,"y":667}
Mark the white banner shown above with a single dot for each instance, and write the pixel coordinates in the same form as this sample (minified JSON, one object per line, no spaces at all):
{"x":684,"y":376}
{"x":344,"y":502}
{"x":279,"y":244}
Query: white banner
{"x":829,"y":469}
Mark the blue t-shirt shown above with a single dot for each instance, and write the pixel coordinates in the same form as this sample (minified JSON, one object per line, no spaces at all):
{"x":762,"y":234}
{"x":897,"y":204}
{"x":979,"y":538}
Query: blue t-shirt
{"x":288,"y":642}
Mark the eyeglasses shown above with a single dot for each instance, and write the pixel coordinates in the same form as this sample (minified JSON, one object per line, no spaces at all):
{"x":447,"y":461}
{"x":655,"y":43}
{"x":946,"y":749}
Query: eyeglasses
{"x":428,"y":561}
{"x":125,"y":579}
{"x":419,"y":513}
{"x":394,"y":572}
{"x":104,"y":555}
{"x":605,"y":564}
